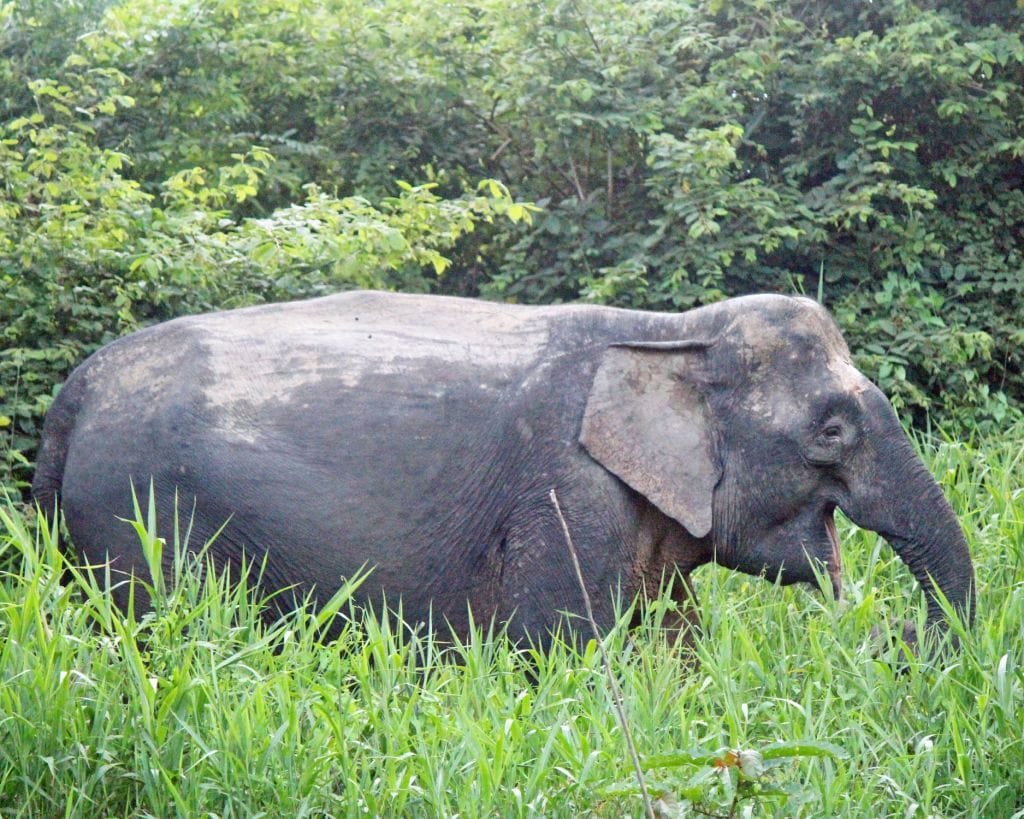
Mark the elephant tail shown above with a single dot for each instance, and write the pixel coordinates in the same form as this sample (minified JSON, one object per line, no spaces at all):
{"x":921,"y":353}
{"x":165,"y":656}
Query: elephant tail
{"x":53,"y":450}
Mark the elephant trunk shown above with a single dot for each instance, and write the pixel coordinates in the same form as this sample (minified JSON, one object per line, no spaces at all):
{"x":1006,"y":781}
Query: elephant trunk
{"x":932,"y":544}
{"x":901,"y":501}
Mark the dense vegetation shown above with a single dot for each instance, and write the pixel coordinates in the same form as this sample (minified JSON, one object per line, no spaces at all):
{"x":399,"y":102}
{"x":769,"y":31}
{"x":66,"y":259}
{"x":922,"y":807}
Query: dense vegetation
{"x":201,"y":709}
{"x":163,"y":157}
{"x":160,"y":158}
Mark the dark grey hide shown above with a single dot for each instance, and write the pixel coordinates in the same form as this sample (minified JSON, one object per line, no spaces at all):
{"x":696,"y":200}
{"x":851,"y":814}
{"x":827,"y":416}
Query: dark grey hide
{"x":421,"y":435}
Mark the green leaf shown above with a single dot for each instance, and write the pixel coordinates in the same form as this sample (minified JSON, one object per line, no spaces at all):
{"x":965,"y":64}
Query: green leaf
{"x":696,"y":756}
{"x":395,"y":240}
{"x":800,"y":748}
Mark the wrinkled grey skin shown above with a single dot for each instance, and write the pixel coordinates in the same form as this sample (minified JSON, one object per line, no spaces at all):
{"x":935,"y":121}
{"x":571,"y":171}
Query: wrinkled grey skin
{"x":421,"y":435}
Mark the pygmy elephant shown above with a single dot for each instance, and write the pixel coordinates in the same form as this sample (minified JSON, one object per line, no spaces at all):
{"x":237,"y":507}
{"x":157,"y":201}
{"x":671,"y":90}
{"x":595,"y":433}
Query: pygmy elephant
{"x":420,"y":436}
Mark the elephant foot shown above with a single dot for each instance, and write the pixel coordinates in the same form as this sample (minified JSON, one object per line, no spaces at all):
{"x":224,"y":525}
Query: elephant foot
{"x":902,"y":635}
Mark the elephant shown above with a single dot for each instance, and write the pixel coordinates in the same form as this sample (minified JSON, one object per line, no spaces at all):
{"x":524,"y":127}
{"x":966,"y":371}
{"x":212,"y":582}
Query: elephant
{"x":420,"y":436}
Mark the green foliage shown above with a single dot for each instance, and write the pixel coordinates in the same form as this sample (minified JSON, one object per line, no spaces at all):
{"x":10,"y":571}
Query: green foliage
{"x":86,"y":255}
{"x":919,"y":360}
{"x":162,"y":158}
{"x":787,"y":706}
{"x":784,"y":140}
{"x":36,"y":36}
{"x":158,"y":159}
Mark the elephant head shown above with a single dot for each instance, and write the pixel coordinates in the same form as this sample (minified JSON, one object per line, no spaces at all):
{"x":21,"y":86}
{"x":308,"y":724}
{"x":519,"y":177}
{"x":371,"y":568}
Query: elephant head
{"x":752,"y":428}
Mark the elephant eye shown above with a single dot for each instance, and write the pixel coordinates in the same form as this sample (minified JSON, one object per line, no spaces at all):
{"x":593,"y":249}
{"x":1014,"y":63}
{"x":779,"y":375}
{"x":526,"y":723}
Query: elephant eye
{"x":830,"y":437}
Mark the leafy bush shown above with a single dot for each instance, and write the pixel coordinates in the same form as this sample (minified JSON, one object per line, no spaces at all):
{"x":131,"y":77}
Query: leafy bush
{"x":783,"y":145}
{"x":160,"y":159}
{"x":87,"y":255}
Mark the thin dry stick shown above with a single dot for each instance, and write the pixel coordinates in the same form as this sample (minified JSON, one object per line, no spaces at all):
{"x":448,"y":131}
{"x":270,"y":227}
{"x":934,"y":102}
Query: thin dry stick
{"x":616,"y":694}
{"x":610,"y":204}
{"x":575,"y":176}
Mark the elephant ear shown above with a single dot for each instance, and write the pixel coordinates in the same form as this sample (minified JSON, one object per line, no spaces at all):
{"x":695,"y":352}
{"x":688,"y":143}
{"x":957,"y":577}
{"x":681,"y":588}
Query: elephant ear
{"x":647,"y":423}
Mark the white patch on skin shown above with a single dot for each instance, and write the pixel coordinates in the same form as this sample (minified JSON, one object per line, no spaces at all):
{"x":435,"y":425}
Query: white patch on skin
{"x":849,"y":378}
{"x":525,"y":432}
{"x":763,"y":337}
{"x":241,"y":430}
{"x":267,"y":353}
{"x":130,"y":376}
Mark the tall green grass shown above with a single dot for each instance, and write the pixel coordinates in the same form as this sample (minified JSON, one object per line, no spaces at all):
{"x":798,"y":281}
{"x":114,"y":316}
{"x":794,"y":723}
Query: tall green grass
{"x":202,"y":708}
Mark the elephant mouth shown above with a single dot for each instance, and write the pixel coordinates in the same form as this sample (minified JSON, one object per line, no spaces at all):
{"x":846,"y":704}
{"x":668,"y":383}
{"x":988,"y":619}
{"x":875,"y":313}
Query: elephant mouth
{"x":835,"y":562}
